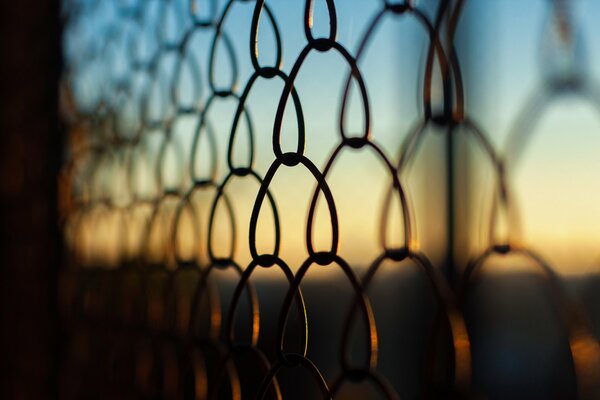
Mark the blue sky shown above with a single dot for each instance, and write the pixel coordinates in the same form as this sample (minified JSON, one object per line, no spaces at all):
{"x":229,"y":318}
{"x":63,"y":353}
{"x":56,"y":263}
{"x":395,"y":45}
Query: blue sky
{"x":500,"y":45}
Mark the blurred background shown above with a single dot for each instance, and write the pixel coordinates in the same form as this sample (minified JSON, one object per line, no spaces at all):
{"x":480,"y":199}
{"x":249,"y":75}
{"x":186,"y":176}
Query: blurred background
{"x":127,"y":202}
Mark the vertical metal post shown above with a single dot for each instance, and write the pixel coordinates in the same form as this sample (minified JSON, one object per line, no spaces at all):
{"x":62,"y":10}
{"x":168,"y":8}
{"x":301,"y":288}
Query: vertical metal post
{"x":29,"y":238}
{"x":450,"y":269}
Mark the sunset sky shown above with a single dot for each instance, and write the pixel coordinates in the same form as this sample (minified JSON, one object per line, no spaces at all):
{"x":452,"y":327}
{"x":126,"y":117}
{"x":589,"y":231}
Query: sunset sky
{"x":555,"y":183}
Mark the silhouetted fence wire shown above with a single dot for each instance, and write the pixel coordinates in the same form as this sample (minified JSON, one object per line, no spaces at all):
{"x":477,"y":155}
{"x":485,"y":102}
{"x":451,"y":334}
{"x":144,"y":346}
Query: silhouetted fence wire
{"x":142,"y":313}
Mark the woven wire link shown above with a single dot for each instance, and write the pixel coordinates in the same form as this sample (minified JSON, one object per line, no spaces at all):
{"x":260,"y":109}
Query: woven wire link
{"x":155,"y":311}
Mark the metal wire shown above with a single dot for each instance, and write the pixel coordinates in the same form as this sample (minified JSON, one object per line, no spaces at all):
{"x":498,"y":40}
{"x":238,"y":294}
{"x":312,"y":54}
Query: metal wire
{"x":160,"y":315}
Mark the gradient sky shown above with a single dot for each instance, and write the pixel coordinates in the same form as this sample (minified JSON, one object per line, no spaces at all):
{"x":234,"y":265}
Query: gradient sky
{"x":500,"y":47}
{"x":556,"y":182}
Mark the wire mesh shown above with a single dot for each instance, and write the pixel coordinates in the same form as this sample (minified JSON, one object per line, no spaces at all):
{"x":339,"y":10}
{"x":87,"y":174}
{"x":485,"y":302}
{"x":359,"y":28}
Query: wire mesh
{"x":144,"y":210}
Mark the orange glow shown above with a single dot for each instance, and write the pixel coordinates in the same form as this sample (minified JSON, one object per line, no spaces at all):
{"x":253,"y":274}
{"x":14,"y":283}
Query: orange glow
{"x":586,"y":358}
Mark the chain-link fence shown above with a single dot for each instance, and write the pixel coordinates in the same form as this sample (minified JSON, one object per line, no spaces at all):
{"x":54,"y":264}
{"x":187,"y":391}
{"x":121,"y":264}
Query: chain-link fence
{"x":173,"y":208}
